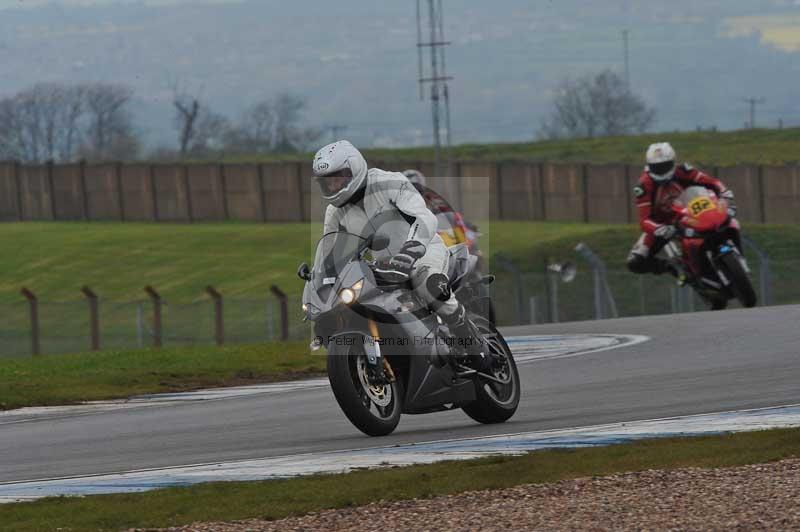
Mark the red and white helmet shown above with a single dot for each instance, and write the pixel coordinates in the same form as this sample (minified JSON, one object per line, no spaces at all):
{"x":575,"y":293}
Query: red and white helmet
{"x":340,"y":170}
{"x":660,"y":161}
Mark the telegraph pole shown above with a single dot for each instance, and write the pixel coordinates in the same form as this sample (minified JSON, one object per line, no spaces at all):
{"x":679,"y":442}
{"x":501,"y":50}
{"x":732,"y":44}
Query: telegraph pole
{"x":438,"y":77}
{"x":627,"y":64}
{"x":753,"y":102}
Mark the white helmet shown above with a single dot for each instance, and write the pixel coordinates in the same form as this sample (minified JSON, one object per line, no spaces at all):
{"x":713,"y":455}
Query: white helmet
{"x":415,"y":176}
{"x":340,"y":170}
{"x":660,"y":161}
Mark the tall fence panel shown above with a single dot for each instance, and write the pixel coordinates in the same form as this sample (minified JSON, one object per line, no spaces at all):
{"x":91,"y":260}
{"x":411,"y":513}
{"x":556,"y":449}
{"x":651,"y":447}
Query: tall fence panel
{"x":206,"y":192}
{"x":172,"y":194}
{"x":520,"y":193}
{"x":284,"y":199}
{"x":103,"y":195}
{"x":781,"y":194}
{"x":313,"y":204}
{"x":9,"y":192}
{"x":609,"y":196}
{"x":68,"y":191}
{"x":138,"y":193}
{"x":565,"y":199}
{"x":744,"y":180}
{"x":476,"y":193}
{"x":243,"y":192}
{"x":37,"y":197}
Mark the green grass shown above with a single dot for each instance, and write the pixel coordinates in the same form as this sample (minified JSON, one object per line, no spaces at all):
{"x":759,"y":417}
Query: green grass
{"x":118,"y":259}
{"x":72,"y":378}
{"x":759,"y":146}
{"x":243,"y":260}
{"x":279,"y":498}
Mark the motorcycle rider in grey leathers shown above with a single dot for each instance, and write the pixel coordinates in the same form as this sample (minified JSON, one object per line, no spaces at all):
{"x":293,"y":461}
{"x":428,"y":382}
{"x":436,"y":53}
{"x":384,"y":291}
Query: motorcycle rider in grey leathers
{"x":364,"y":201}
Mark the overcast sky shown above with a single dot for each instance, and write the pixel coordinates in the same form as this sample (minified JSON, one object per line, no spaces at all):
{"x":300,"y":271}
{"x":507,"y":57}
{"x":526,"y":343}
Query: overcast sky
{"x":355,"y":61}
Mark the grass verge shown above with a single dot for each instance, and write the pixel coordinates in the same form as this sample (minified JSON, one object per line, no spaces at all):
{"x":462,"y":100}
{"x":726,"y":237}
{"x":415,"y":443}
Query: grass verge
{"x":279,"y":498}
{"x":722,"y":148}
{"x":72,"y":378}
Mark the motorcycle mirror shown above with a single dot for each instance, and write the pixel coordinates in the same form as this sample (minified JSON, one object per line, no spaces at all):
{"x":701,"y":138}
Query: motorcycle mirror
{"x":379,"y":241}
{"x":565,"y":270}
{"x":303,"y":272}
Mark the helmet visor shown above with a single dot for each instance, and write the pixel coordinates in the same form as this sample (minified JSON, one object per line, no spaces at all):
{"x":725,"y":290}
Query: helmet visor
{"x":331,"y":184}
{"x":660,"y":169}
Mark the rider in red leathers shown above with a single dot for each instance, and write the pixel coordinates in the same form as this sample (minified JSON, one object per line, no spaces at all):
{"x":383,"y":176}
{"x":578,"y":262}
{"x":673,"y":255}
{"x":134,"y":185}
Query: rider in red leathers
{"x":658,"y":187}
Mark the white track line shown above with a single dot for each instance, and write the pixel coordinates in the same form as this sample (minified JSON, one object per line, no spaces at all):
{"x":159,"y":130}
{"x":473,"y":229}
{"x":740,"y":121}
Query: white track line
{"x":419,"y":453}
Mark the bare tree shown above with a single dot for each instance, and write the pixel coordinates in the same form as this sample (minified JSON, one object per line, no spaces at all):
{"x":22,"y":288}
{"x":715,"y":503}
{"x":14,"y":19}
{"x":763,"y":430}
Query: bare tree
{"x":110,"y":132}
{"x":201,"y":131}
{"x":186,"y":111}
{"x":254,"y":133}
{"x":287,"y":109}
{"x":41,"y":123}
{"x":272,"y":125}
{"x":596,"y":105}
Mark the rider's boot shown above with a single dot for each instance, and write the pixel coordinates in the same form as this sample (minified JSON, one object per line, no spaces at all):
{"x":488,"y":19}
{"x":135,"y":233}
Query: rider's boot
{"x":469,"y":340}
{"x":663,"y":266}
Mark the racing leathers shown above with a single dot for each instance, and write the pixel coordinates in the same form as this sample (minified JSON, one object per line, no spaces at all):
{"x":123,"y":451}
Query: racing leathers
{"x":388,"y":204}
{"x":656,"y":218}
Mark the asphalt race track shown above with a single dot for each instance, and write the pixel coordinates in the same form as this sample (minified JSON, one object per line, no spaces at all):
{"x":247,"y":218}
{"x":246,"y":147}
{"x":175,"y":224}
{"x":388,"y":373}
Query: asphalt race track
{"x":693,"y":363}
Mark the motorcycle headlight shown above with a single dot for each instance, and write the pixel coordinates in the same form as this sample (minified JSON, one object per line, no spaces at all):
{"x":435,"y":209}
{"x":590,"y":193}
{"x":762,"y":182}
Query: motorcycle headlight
{"x":310,"y":309}
{"x":349,"y":295}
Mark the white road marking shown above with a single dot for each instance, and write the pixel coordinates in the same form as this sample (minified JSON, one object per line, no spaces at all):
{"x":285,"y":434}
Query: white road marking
{"x":419,"y":453}
{"x":525,"y":348}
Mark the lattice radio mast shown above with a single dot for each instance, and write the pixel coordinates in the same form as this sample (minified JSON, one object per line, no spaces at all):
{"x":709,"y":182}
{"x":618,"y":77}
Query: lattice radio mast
{"x":437,"y":77}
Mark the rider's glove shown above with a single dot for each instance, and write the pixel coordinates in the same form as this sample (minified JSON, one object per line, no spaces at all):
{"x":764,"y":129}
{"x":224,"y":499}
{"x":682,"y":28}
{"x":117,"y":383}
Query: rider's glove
{"x":728,"y":196}
{"x":665,"y":231}
{"x":409,"y":253}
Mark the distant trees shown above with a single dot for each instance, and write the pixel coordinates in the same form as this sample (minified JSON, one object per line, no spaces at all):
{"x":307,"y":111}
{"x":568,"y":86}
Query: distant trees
{"x":268,"y":126}
{"x":110,"y":133}
{"x":272,"y":126}
{"x":54,"y":121}
{"x":94,"y":121}
{"x":596,"y":105}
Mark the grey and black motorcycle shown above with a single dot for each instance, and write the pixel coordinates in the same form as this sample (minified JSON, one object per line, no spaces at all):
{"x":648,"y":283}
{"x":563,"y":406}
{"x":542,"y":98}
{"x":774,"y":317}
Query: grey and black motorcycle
{"x":387,"y":352}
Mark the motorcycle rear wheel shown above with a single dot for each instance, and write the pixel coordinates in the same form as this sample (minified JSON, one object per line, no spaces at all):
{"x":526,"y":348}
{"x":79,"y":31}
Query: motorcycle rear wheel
{"x":374,"y":410}
{"x":740,"y":285}
{"x":495,"y":402}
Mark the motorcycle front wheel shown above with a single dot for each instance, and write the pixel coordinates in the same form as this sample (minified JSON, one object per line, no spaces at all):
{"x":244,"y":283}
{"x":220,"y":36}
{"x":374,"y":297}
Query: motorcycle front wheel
{"x":498,"y":399}
{"x":374,"y":410}
{"x":741,"y":286}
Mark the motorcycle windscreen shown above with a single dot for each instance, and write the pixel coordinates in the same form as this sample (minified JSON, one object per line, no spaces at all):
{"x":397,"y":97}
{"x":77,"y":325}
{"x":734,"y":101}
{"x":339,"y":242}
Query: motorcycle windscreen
{"x":334,"y":252}
{"x":703,"y":207}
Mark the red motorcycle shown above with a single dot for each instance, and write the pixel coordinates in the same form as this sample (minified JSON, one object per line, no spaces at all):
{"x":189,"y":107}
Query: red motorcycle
{"x":705,"y":250}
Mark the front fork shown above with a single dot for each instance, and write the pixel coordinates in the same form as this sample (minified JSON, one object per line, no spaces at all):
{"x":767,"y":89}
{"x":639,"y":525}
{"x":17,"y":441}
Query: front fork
{"x":727,"y":248}
{"x":378,"y":368}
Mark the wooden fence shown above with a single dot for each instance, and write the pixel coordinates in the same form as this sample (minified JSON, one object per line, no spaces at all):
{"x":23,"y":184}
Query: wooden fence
{"x":283,"y":192}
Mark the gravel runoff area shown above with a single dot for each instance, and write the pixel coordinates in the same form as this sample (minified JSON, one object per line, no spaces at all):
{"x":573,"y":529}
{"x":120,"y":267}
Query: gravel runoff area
{"x":754,"y":497}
